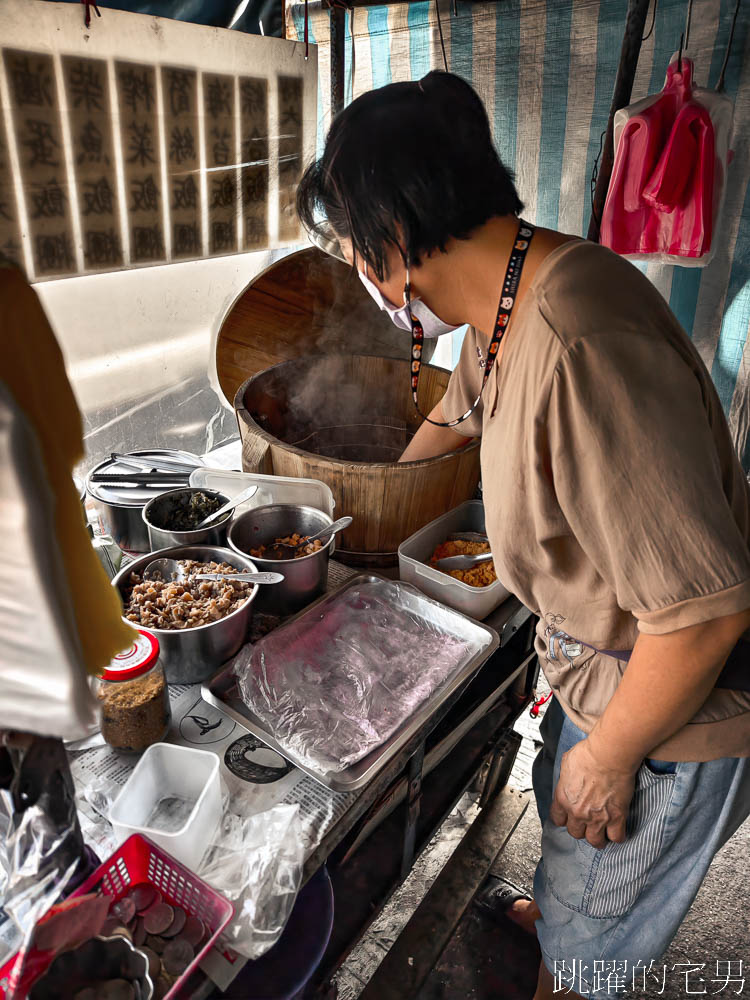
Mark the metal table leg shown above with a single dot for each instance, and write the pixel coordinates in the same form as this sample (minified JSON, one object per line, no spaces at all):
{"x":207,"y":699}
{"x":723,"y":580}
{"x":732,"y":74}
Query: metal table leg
{"x":414,"y":796}
{"x":501,"y":765}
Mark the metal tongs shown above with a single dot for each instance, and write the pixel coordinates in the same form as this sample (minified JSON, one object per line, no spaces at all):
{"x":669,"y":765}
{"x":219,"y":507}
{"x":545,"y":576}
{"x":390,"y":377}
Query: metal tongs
{"x":463,"y":562}
{"x":156,"y":472}
{"x":127,"y":479}
{"x":157,"y":463}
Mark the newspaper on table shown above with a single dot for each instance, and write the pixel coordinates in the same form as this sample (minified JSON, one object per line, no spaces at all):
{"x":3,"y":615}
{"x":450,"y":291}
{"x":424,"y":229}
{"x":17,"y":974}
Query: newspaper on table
{"x":255,"y":776}
{"x":266,"y":800}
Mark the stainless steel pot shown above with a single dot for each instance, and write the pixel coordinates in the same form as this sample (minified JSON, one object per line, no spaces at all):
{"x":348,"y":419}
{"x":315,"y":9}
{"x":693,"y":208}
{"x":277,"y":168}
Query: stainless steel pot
{"x":304,"y":578}
{"x":119,"y":509}
{"x":192,"y":655}
{"x":157,"y":511}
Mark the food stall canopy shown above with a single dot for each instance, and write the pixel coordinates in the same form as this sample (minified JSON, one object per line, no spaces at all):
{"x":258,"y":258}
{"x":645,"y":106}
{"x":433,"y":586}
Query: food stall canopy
{"x":545,"y":70}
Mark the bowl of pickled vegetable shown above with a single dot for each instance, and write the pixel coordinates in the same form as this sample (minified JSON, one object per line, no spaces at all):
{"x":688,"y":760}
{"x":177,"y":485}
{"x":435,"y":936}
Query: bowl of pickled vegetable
{"x":173,"y":518}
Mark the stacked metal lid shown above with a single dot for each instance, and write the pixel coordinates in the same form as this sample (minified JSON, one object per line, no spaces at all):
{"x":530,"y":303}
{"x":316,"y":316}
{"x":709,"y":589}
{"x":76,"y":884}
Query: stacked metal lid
{"x":122,"y":485}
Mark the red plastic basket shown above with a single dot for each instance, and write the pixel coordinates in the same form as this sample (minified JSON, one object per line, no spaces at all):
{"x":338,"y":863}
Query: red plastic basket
{"x":139,"y":860}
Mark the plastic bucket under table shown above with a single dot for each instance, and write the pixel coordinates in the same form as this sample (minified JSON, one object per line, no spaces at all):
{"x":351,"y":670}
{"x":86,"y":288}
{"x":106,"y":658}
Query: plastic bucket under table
{"x":284,"y":971}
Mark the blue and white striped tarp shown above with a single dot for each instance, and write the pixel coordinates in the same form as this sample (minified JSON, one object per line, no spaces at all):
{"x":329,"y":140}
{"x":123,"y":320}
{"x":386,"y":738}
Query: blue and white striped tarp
{"x":545,"y":70}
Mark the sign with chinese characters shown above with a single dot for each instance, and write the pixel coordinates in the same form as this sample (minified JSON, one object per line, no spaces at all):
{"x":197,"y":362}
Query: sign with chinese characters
{"x":290,"y":151}
{"x":180,"y":89}
{"x":143,"y":140}
{"x":41,"y":157}
{"x":90,"y":123}
{"x":221,"y":157}
{"x":254,"y":150}
{"x":139,"y":145}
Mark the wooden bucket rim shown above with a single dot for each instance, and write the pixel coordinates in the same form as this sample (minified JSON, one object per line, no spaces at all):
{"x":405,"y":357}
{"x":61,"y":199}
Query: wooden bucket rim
{"x":244,"y":414}
{"x":229,"y":309}
{"x":305,"y":255}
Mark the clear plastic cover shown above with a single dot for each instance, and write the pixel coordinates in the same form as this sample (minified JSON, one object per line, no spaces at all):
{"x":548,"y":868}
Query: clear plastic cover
{"x":338,"y":681}
{"x":271,"y":489}
{"x":256,"y":862}
{"x":35,"y":869}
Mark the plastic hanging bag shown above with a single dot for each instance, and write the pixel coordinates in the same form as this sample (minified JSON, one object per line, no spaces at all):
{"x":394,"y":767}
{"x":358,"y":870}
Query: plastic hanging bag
{"x":36,"y":869}
{"x":256,"y":862}
{"x":669,"y":176}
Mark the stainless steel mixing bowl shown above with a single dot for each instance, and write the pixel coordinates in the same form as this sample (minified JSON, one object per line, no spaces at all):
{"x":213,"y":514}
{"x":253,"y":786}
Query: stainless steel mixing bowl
{"x":120,"y":508}
{"x":156,"y":513}
{"x":192,"y":655}
{"x":304,"y":578}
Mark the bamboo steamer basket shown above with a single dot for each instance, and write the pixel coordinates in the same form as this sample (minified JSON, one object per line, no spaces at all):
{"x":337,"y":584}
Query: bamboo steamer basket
{"x":320,"y":380}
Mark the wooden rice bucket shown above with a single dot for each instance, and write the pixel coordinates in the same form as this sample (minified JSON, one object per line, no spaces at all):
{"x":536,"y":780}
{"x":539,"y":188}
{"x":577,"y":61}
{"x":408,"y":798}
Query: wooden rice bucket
{"x":361,"y":408}
{"x":296,"y":356}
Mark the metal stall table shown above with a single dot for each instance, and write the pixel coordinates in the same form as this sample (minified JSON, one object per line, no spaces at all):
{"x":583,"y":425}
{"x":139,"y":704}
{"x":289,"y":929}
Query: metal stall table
{"x":469,"y":742}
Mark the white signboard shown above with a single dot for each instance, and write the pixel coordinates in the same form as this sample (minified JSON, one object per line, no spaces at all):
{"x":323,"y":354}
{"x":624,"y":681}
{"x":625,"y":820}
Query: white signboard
{"x":143,"y":140}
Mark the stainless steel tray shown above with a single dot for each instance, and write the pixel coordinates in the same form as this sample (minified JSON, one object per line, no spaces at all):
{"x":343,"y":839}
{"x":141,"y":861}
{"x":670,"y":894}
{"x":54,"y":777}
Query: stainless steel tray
{"x":222,"y":692}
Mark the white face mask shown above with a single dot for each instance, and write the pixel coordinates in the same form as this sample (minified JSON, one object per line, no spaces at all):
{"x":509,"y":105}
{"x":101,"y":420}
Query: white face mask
{"x":432,"y":325}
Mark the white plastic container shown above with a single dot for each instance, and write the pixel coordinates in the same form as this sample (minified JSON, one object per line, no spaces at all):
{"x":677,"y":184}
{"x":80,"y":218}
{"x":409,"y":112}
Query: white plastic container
{"x":173,"y":797}
{"x":414,"y":563}
{"x":271,"y":489}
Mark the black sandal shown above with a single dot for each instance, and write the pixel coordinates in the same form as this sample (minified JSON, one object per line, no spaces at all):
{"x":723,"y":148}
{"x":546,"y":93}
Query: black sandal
{"x":497,"y":895}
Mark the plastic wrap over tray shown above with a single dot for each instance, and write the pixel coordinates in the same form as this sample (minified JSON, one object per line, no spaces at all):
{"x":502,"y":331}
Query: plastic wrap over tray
{"x":337,"y":681}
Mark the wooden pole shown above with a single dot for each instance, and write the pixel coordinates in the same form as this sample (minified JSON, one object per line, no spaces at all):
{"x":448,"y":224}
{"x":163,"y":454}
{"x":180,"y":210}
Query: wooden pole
{"x":283,"y":18}
{"x":631,"y":47}
{"x":338,"y":57}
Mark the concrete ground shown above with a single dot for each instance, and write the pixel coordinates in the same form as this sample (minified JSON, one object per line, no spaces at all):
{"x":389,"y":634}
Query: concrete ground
{"x":715,"y":933}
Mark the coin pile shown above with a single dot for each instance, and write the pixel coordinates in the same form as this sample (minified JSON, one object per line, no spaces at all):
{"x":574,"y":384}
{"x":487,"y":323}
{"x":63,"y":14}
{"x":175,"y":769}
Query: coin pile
{"x":169,"y":937}
{"x":98,"y":969}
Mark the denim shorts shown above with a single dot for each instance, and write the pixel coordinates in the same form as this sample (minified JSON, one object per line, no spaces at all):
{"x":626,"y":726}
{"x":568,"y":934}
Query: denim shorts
{"x":607,"y":914}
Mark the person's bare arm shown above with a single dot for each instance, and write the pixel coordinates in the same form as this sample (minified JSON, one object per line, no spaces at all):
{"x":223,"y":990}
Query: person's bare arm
{"x":430,"y":441}
{"x":666,"y":681}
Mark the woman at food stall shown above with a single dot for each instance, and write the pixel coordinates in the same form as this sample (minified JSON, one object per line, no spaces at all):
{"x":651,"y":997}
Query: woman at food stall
{"x":616,"y":509}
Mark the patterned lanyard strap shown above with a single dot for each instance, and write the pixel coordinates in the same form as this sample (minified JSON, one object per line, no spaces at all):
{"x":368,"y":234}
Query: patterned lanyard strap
{"x":507,"y":301}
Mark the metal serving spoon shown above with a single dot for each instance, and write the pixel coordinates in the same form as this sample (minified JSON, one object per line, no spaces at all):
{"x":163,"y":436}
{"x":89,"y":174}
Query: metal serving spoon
{"x":284,"y":547}
{"x":170,"y":571}
{"x":240,"y":498}
{"x":463,"y":562}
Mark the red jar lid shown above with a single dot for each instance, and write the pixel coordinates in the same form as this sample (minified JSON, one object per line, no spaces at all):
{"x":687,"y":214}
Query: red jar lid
{"x":136,"y":661}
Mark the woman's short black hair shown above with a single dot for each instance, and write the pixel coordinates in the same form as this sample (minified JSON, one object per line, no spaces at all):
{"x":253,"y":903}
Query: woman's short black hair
{"x":410,"y":165}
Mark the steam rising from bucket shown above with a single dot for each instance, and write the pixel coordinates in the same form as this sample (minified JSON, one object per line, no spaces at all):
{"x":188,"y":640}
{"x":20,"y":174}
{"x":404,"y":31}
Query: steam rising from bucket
{"x":322,"y":411}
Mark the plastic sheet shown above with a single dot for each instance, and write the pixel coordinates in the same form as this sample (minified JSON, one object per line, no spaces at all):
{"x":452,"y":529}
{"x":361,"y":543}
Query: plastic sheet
{"x":39,"y":861}
{"x":257,"y":865}
{"x":338,"y":681}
